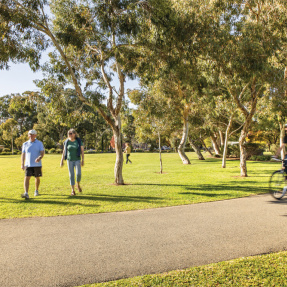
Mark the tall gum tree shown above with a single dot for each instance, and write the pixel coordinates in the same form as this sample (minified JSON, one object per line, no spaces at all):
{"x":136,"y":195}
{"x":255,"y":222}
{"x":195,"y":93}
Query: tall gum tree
{"x":172,"y":55}
{"x":94,"y":33}
{"x":154,"y":116}
{"x":249,"y":40}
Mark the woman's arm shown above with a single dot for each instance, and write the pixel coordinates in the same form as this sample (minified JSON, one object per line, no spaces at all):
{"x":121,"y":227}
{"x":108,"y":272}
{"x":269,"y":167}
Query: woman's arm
{"x":63,"y":156}
{"x":82,"y":153}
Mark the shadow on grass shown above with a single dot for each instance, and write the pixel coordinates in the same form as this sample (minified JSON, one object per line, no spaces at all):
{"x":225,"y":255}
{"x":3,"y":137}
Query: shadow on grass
{"x":114,"y":198}
{"x":96,"y":198}
{"x":50,"y":202}
{"x":204,"y":194}
{"x":243,"y":186}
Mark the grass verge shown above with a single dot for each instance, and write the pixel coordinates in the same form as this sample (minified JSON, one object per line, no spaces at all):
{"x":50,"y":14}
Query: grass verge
{"x":202,"y":181}
{"x":266,"y":270}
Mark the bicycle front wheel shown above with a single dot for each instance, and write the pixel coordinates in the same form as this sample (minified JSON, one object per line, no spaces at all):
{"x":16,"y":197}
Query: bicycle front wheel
{"x":277,"y":184}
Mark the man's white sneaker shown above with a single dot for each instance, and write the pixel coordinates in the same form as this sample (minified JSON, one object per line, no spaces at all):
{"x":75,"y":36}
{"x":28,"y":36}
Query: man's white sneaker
{"x":25,"y":195}
{"x":36,"y":193}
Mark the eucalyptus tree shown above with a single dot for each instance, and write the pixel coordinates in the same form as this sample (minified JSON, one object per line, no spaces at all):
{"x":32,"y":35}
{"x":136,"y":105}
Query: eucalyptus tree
{"x":4,"y":107}
{"x":273,"y":110}
{"x":24,"y":110}
{"x":9,"y":131}
{"x":248,"y":39}
{"x":18,"y":43}
{"x":90,"y":39}
{"x":155,"y":116}
{"x":172,"y":56}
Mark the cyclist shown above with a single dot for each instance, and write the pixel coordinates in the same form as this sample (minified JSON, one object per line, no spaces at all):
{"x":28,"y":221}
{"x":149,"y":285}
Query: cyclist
{"x":281,"y":147}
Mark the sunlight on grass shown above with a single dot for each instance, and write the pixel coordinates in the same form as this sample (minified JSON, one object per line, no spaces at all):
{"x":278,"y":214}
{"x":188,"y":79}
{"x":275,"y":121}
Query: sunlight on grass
{"x":202,"y":181}
{"x":266,"y":270}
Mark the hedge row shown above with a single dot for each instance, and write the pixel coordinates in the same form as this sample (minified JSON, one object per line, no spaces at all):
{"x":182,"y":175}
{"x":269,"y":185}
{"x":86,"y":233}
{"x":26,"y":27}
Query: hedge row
{"x":261,"y":157}
{"x":10,"y":153}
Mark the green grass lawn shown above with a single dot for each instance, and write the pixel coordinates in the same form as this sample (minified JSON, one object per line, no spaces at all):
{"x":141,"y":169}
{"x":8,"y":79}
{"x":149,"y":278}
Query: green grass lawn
{"x":180,"y":184}
{"x":266,"y":270}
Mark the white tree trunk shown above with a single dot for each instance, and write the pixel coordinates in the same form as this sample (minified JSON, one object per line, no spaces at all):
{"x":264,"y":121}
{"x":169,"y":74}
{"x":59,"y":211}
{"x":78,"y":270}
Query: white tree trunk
{"x":183,"y":156}
{"x":243,"y":165}
{"x":222,"y":140}
{"x":226,"y":142}
{"x":215,"y":145}
{"x":118,"y":171}
{"x":159,"y":147}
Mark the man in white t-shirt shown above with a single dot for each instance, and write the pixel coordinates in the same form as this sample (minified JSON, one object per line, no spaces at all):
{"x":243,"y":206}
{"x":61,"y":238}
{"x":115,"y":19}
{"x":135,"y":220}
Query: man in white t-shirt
{"x":32,"y":153}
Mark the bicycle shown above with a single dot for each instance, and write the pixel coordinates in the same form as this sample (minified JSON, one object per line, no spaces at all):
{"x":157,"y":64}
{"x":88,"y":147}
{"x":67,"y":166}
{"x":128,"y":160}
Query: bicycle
{"x":278,"y":182}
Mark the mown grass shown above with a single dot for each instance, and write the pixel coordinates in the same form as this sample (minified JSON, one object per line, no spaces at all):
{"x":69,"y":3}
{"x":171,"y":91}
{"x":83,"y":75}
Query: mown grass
{"x":202,"y":181}
{"x":266,"y":270}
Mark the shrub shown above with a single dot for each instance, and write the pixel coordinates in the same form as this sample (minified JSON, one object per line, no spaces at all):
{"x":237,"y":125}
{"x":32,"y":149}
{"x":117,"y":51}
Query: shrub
{"x":233,"y":150}
{"x":6,"y":153}
{"x":52,"y":150}
{"x":6,"y":150}
{"x":138,"y":150}
{"x":58,"y":150}
{"x":89,"y":151}
{"x":253,"y":149}
{"x":260,"y":157}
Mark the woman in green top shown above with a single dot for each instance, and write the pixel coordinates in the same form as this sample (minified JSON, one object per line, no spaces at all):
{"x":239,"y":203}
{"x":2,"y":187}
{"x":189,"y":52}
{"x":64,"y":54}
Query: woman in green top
{"x":72,"y":152}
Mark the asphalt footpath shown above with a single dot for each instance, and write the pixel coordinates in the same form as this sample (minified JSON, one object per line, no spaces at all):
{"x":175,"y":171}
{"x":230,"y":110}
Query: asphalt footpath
{"x":82,"y":249}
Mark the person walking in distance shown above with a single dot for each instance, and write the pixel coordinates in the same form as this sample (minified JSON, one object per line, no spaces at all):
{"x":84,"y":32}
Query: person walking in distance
{"x":72,"y":152}
{"x":128,"y":152}
{"x":32,"y":153}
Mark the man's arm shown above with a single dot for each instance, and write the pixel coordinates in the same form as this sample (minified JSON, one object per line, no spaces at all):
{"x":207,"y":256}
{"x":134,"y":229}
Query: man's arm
{"x":23,"y":160}
{"x":42,"y":153}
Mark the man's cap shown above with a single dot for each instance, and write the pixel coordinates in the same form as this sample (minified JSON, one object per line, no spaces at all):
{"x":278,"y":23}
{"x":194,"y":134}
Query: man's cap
{"x":32,"y":132}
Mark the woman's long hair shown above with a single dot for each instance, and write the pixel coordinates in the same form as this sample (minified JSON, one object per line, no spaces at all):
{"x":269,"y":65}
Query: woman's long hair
{"x":72,"y":131}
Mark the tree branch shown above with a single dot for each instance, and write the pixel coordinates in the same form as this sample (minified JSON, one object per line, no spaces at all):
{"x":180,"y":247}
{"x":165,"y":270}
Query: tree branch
{"x":237,"y":100}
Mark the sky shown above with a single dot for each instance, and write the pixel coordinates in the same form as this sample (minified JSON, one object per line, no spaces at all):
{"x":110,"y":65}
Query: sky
{"x":19,"y":78}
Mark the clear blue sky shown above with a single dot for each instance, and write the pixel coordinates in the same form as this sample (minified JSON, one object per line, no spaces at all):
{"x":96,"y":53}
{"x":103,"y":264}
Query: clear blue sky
{"x":19,"y":78}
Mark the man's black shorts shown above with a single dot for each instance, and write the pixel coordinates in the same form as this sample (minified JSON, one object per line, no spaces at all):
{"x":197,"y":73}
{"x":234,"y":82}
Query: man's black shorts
{"x":33,"y":171}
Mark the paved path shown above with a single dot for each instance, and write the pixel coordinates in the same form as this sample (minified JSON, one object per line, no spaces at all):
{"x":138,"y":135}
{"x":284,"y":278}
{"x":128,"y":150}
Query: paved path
{"x":76,"y":250}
